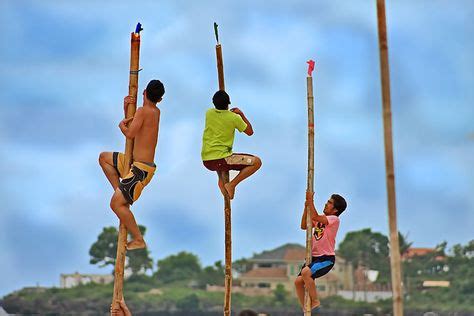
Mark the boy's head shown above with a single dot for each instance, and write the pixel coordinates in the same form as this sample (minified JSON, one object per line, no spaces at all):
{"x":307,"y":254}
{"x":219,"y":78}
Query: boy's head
{"x":335,"y":205}
{"x":221,"y":100}
{"x":154,"y":91}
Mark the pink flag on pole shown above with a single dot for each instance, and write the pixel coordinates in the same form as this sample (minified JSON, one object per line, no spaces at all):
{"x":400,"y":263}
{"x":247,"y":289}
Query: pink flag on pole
{"x":311,"y":64}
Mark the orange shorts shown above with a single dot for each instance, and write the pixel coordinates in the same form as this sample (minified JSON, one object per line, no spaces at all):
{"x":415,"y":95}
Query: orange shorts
{"x":132,"y":183}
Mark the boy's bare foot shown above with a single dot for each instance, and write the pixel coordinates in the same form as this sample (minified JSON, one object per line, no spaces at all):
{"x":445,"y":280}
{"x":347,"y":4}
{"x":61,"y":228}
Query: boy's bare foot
{"x":230,"y":190}
{"x":136,"y":244}
{"x":315,"y":304}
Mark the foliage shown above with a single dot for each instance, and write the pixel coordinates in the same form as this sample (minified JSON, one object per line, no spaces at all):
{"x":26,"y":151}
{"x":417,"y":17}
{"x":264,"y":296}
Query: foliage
{"x":188,"y":303}
{"x":371,"y":250}
{"x":280,"y":294}
{"x":104,"y":251}
{"x":457,"y":268}
{"x":139,"y":261}
{"x":182,"y":266}
{"x":403,"y":243}
{"x":212,"y":275}
{"x":242,"y":265}
{"x":367,"y":248}
{"x":150,"y":295}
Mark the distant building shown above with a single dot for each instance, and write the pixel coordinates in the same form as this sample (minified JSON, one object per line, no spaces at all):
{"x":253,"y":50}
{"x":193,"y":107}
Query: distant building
{"x":75,"y":279}
{"x":427,"y":284}
{"x":411,"y":253}
{"x":414,"y":252}
{"x":282,"y":265}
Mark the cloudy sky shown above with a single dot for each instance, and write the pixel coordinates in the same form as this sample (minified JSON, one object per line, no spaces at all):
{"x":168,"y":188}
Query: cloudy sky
{"x":64,"y":73}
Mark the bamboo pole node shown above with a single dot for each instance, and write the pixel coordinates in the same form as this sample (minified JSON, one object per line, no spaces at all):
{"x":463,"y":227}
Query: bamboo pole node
{"x":135,"y":72}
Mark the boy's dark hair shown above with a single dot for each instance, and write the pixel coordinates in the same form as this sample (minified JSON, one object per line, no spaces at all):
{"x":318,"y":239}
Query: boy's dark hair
{"x":221,"y":100}
{"x":248,"y":312}
{"x":155,"y":90}
{"x":340,"y":203}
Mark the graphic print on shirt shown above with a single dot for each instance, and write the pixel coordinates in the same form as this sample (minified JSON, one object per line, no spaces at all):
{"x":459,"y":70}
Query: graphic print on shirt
{"x":319,"y":231}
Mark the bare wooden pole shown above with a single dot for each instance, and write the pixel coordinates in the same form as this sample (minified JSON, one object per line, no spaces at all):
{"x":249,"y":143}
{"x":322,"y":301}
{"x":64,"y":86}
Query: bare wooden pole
{"x":220,"y":67}
{"x":390,"y":174}
{"x":310,"y":177}
{"x":122,"y":237}
{"x":224,"y":177}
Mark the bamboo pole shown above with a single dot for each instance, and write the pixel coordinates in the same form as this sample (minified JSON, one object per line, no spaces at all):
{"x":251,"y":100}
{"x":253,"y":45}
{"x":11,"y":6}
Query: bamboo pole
{"x":224,"y":177}
{"x":132,"y":91}
{"x":390,"y":174}
{"x":310,"y":178}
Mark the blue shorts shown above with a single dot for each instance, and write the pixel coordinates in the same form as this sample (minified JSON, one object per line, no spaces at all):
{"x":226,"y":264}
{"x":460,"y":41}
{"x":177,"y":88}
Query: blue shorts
{"x":320,"y":266}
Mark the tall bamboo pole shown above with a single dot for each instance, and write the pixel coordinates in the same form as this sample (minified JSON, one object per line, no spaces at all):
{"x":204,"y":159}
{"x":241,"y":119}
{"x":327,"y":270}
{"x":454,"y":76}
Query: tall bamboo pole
{"x":310,"y":178}
{"x":390,"y":174}
{"x":224,"y":177}
{"x":132,"y":91}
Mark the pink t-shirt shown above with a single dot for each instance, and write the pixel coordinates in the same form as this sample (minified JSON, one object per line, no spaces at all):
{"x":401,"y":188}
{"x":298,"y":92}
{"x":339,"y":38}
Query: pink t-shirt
{"x":324,"y":237}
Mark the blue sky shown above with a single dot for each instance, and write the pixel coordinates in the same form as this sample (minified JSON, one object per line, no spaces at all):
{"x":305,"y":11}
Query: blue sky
{"x":64,"y":73}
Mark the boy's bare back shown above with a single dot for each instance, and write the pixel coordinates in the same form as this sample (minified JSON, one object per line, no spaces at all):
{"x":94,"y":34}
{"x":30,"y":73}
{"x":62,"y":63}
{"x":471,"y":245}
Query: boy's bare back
{"x":146,"y":137}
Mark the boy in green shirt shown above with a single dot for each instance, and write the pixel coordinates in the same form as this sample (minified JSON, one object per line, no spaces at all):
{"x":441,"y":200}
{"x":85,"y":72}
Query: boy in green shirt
{"x":218,"y":139}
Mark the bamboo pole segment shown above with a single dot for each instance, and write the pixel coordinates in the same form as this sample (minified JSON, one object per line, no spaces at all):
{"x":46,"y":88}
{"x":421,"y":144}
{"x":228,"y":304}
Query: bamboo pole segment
{"x":390,"y":174}
{"x":310,"y":177}
{"x":132,"y":91}
{"x":220,"y":63}
{"x":224,"y":177}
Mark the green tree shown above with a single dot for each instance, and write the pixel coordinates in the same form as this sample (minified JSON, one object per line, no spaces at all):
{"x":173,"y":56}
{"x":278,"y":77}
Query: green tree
{"x":369,"y":249}
{"x":242,"y":265}
{"x":213,"y":275}
{"x":365,"y":247}
{"x":280,"y":294}
{"x":188,"y":303}
{"x":461,"y":271}
{"x":403,"y":243}
{"x":104,"y":251}
{"x":183,"y":266}
{"x":139,"y":260}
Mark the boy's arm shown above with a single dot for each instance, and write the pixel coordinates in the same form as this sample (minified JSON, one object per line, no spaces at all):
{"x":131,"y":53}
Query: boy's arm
{"x":249,"y":129}
{"x":135,"y":125}
{"x":303,"y":219}
{"x":314,"y":213}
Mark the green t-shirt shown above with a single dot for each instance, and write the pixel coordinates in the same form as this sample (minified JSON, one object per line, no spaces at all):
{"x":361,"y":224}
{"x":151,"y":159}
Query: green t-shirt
{"x":218,"y":136}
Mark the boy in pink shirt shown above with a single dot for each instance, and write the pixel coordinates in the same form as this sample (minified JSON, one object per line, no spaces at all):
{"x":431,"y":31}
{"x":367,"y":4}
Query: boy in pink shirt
{"x":324,"y":242}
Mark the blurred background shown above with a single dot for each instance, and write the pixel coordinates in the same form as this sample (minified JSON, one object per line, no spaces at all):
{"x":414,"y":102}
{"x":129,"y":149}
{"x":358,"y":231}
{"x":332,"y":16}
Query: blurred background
{"x":64,"y":72}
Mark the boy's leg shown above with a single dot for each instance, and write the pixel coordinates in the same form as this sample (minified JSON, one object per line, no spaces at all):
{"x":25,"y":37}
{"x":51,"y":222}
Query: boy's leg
{"x":107,"y":164}
{"x":243,"y":174}
{"x":310,"y":286}
{"x":299,"y":287}
{"x":121,"y":208}
{"x":220,"y":184}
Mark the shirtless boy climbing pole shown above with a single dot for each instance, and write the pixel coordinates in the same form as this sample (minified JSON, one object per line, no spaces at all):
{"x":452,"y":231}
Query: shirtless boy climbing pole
{"x":143,"y":129}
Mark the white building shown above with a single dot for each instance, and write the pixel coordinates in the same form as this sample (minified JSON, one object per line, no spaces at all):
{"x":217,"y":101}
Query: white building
{"x":72,"y":280}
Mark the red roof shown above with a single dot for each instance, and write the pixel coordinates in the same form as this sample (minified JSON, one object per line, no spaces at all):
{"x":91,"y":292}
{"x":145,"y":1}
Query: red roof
{"x":295,"y":255}
{"x":412,"y":252}
{"x":265,"y":273}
